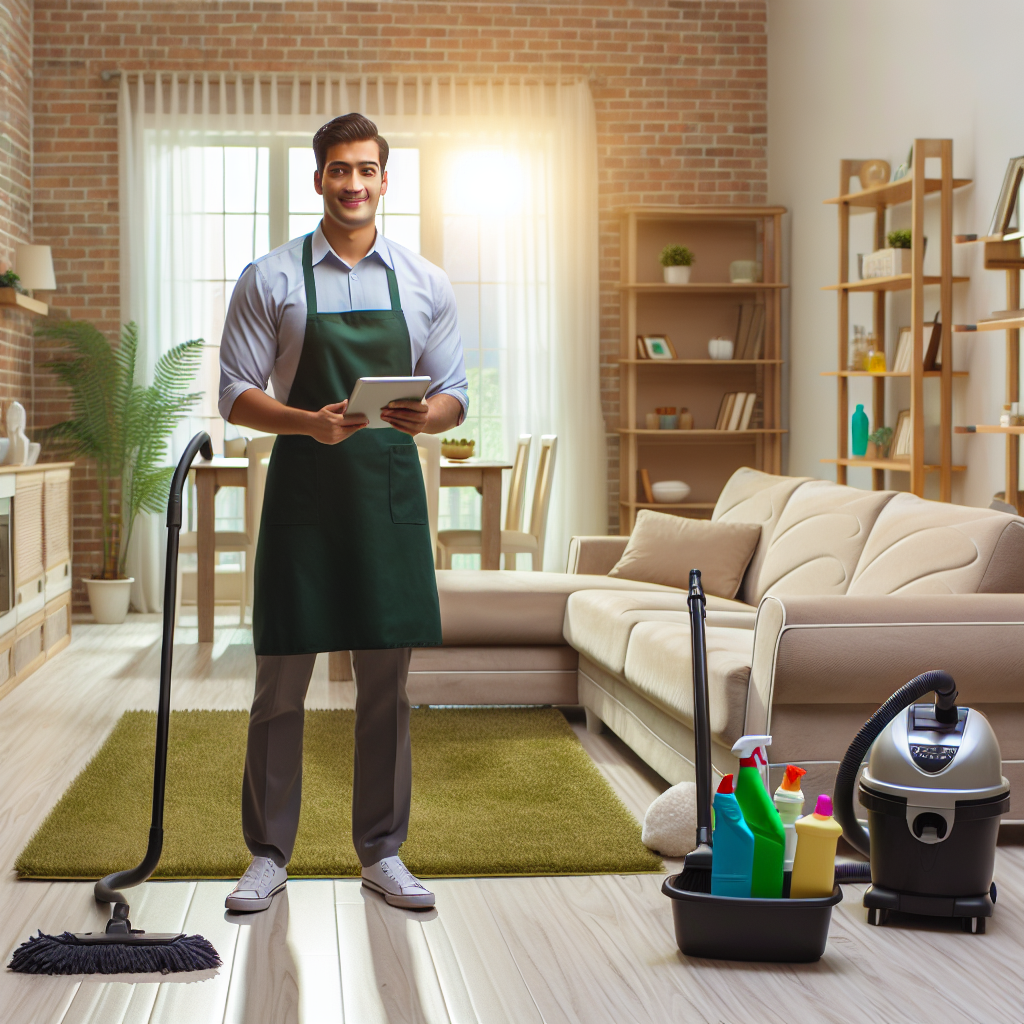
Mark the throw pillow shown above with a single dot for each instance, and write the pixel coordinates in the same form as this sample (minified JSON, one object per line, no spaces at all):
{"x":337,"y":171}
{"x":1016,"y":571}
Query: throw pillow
{"x":663,"y":549}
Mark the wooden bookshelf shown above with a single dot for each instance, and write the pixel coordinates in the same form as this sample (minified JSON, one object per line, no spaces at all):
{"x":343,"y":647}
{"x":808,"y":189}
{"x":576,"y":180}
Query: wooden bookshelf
{"x":1004,"y":253}
{"x":691,"y":314}
{"x":912,"y":189}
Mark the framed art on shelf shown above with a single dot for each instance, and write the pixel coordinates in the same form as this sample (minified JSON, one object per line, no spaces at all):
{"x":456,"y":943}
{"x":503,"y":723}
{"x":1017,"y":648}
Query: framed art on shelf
{"x":655,"y":346}
{"x":1006,"y":204}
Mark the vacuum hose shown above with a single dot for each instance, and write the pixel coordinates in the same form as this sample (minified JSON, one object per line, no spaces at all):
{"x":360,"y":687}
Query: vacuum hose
{"x":945,"y":711}
{"x":106,"y":888}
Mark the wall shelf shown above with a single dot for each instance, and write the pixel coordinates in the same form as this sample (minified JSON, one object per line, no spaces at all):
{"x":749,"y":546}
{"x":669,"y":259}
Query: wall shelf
{"x":11,"y":297}
{"x":895,"y":192}
{"x":896,"y":465}
{"x":899,"y":283}
{"x":1013,"y":324}
{"x":699,"y":287}
{"x":989,"y":428}
{"x":888,"y":373}
{"x":699,"y":362}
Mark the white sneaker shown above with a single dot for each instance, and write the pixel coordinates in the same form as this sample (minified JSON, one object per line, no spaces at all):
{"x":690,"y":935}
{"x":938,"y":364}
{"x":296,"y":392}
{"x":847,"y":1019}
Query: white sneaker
{"x":397,"y":884}
{"x":256,"y":889}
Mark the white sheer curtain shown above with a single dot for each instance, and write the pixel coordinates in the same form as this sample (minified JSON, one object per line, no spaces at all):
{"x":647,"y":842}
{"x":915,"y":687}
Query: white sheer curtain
{"x":517,"y":155}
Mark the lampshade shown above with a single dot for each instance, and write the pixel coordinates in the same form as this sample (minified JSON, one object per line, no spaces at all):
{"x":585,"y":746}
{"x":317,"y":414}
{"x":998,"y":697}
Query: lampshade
{"x":34,"y":265}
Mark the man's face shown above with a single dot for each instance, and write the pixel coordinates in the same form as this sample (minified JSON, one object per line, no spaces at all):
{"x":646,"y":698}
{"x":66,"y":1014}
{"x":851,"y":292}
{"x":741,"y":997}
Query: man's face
{"x":351,"y":183}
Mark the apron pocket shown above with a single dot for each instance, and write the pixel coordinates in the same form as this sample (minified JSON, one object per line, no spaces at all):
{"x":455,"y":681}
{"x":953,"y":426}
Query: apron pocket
{"x":408,"y":497}
{"x":291,"y":491}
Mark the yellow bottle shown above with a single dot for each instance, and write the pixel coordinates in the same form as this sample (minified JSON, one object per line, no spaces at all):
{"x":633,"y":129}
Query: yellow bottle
{"x":814,"y":866}
{"x":876,"y":361}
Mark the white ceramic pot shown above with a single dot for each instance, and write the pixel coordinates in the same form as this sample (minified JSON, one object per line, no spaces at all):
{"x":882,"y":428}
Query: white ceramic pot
{"x":720,"y":348}
{"x":677,"y":275}
{"x":670,"y":492}
{"x":109,"y":599}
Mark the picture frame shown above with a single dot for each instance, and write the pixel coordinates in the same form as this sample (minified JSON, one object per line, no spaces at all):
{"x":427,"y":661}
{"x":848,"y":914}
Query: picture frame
{"x":1007,"y":201}
{"x":902,"y":437}
{"x":658,"y":346}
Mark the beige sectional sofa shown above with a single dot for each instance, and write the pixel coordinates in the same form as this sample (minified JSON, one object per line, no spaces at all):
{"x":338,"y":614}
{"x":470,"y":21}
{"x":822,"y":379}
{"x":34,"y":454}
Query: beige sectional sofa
{"x":848,"y":595}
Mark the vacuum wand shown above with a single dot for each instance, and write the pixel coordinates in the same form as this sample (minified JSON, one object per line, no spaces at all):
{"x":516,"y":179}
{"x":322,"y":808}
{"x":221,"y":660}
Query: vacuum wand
{"x":106,"y":888}
{"x":701,"y":725}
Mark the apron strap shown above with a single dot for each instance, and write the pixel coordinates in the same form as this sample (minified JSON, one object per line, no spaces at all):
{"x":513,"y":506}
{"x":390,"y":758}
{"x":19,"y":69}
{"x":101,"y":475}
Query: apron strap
{"x":307,"y":274}
{"x":396,"y":302}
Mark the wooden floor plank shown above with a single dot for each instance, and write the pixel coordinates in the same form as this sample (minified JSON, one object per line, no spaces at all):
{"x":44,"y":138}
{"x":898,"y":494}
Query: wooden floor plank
{"x":312,"y":939}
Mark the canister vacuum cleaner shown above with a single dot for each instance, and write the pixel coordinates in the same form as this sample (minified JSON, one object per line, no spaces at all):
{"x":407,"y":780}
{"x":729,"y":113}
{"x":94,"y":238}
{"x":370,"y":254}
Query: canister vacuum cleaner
{"x":934,"y":792}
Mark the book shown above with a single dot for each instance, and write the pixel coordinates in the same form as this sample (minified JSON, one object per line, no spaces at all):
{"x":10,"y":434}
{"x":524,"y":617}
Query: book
{"x":641,"y":348}
{"x":645,"y":485}
{"x":755,"y":341}
{"x":748,"y":409}
{"x":933,"y":355}
{"x":746,"y":315}
{"x":904,"y":351}
{"x":724,"y":410}
{"x":736,"y":411}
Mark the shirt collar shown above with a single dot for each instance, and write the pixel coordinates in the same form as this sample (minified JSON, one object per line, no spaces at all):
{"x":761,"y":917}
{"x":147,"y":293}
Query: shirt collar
{"x":322,"y":249}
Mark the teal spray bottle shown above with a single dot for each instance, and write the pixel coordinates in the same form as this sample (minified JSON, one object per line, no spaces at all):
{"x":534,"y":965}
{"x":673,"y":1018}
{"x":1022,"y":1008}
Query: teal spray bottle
{"x":789,"y":802}
{"x":733,"y":845}
{"x":761,"y":817}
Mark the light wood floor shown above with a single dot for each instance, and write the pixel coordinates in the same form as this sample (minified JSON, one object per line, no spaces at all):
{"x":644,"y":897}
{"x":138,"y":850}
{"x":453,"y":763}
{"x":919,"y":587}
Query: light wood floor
{"x":593,"y":950}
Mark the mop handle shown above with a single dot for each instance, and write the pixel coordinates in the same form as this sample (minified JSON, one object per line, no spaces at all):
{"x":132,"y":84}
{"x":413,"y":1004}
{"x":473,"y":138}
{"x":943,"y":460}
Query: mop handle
{"x":106,"y":888}
{"x":701,"y":725}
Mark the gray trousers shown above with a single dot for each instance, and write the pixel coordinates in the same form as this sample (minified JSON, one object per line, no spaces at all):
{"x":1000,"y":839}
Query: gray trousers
{"x":272,"y":789}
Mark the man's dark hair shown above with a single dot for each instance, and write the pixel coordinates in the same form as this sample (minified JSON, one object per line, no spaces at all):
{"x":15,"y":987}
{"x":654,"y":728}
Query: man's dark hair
{"x":348,"y":128}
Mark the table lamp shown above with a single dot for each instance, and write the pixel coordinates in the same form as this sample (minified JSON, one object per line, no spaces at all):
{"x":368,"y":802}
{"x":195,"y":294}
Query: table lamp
{"x":34,"y":266}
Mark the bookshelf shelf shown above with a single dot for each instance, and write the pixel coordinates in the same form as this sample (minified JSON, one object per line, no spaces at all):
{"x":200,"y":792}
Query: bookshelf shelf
{"x":690,"y":315}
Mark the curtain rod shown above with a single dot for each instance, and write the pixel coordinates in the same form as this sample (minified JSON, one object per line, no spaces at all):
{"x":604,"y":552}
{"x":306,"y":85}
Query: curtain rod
{"x":108,"y":74}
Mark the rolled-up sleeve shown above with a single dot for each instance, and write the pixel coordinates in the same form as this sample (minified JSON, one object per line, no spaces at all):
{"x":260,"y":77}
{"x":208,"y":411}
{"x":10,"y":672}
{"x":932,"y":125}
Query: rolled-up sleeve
{"x":442,"y":358}
{"x":248,"y":346}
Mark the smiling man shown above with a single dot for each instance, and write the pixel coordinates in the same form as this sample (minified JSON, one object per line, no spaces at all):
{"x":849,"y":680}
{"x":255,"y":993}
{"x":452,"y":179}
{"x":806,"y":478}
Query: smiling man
{"x":344,"y":560}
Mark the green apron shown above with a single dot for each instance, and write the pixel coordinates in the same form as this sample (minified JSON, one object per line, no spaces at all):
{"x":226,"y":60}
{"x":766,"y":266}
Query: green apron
{"x":344,"y":558}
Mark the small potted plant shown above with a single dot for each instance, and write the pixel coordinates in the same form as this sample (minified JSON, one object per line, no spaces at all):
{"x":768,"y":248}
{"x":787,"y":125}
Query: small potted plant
{"x":878,"y":443}
{"x":899,"y":239}
{"x":893,"y":260}
{"x":124,"y":428}
{"x":676,"y":261}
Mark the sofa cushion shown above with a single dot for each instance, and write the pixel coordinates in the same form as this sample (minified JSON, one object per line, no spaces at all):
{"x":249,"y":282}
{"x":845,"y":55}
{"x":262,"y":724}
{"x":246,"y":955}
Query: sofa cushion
{"x":659,"y":664}
{"x":598,"y":623}
{"x":818,"y":539}
{"x":663,"y":549}
{"x":931,"y":547}
{"x":503,"y":607}
{"x":750,"y":496}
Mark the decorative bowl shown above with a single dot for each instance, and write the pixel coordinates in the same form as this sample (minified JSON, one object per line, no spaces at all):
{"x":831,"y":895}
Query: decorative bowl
{"x":461,"y":449}
{"x":670,"y":492}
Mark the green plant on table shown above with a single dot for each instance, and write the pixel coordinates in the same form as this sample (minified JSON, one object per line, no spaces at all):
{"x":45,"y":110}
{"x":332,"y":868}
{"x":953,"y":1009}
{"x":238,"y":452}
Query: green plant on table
{"x":899,"y":239}
{"x":676,"y":256}
{"x":123,"y":426}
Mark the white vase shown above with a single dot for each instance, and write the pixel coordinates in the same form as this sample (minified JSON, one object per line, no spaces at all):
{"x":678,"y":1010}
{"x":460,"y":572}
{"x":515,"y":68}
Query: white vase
{"x":676,"y":275}
{"x":109,"y":599}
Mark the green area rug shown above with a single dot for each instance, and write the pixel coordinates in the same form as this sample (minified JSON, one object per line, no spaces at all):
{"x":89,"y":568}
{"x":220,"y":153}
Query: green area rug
{"x":496,"y":791}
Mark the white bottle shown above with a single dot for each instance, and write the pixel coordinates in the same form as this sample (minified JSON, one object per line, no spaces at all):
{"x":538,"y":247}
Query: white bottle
{"x":789,"y":802}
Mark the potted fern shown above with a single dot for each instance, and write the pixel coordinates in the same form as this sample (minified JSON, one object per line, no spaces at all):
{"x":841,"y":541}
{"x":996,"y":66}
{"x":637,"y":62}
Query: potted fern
{"x":124,"y":428}
{"x":676,"y":261}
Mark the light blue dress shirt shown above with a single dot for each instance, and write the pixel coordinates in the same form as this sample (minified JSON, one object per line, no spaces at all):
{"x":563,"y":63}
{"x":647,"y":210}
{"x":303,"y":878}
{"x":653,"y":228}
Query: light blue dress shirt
{"x":266,"y":319}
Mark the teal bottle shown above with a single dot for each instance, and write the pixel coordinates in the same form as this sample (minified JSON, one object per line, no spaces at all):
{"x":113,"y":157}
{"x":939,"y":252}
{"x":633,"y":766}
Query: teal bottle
{"x":733,"y":843}
{"x":860,"y":432}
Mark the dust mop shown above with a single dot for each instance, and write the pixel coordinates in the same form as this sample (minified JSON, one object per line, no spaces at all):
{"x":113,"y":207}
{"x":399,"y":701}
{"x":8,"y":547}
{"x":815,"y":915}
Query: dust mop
{"x":122,"y":949}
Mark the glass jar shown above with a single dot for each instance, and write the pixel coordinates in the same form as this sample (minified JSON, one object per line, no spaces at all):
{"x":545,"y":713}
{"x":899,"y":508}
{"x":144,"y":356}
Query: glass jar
{"x":858,"y":352}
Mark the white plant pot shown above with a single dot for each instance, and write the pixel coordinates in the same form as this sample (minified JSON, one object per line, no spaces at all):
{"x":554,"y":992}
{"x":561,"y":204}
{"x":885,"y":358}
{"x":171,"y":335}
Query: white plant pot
{"x":677,"y":275}
{"x":109,"y":599}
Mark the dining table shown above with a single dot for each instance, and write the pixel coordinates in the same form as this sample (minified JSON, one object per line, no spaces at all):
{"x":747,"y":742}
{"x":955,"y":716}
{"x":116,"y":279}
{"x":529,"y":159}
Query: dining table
{"x":485,"y":476}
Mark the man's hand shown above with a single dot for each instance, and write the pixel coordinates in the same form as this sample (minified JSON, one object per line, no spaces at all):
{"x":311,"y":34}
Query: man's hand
{"x":329,"y":425}
{"x":410,"y":417}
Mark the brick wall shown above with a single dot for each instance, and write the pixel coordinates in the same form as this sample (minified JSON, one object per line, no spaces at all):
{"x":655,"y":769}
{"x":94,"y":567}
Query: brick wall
{"x":15,"y":190}
{"x":679,"y":88}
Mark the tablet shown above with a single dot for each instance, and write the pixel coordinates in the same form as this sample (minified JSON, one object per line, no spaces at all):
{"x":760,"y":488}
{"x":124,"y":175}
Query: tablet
{"x":371,"y":394}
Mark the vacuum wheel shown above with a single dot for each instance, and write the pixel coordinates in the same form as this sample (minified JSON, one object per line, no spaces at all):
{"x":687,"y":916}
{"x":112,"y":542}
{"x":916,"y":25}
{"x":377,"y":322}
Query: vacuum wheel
{"x":974,"y":925}
{"x":877,"y":916}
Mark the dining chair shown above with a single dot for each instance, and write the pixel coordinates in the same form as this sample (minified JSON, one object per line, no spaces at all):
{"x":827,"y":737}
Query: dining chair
{"x":257,"y":450}
{"x":514,"y":539}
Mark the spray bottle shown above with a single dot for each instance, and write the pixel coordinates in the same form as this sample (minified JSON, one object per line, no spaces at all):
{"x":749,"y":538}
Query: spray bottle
{"x":814,"y":867}
{"x":733,"y":845}
{"x":761,"y":817}
{"x":789,"y":802}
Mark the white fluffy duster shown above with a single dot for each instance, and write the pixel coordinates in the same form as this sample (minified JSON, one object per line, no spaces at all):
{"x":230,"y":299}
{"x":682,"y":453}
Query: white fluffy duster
{"x":670,"y":825}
